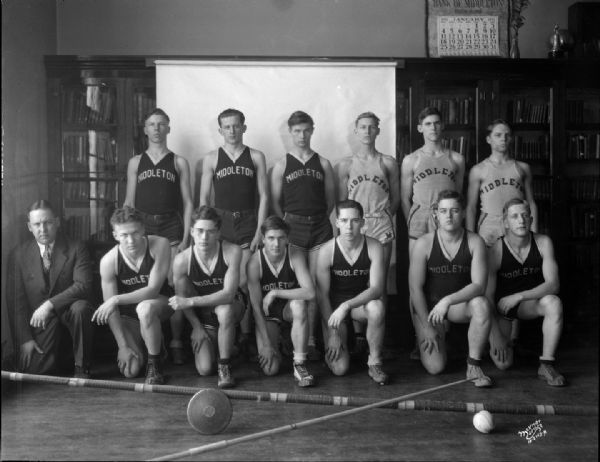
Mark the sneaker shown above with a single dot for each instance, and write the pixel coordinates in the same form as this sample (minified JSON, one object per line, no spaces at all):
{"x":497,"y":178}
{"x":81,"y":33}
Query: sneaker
{"x":225,"y":378}
{"x":302,"y":377}
{"x":154,"y":375}
{"x":377,"y":374}
{"x":313,"y":354}
{"x":81,"y":372}
{"x":475,"y":374}
{"x":178,"y":355}
{"x":550,"y":375}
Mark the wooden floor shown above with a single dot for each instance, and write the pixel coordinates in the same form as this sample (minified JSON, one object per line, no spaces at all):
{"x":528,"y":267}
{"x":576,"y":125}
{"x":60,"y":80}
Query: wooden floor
{"x":56,"y":422}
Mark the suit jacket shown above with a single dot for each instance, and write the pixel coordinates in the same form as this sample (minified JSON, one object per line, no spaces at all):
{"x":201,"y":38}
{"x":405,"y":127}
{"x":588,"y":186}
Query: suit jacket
{"x":70,"y":279}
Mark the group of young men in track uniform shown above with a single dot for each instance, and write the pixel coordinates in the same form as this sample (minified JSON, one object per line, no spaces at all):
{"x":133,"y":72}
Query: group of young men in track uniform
{"x":292,"y":269}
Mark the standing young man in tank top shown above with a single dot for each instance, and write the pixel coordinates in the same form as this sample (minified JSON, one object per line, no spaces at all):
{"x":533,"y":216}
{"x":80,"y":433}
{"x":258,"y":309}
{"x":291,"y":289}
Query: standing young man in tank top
{"x":238,"y":175}
{"x":424,"y":173}
{"x":447,"y":279}
{"x":372,"y":179}
{"x":157,"y":180}
{"x":349,"y":288}
{"x":303,"y":190}
{"x":280,"y":286}
{"x":207,"y":276}
{"x":523,"y":283}
{"x":135,"y":292}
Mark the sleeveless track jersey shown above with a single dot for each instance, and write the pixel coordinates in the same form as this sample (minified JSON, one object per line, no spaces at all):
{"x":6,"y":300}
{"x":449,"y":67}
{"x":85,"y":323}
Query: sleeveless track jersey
{"x":284,"y":280}
{"x":157,"y":191}
{"x":368,"y":185}
{"x":347,"y":281}
{"x":444,"y":276}
{"x":500,"y":183}
{"x":235,"y":182}
{"x":206,"y":284}
{"x":304,"y":186}
{"x":432,"y":176}
{"x":514,"y":276}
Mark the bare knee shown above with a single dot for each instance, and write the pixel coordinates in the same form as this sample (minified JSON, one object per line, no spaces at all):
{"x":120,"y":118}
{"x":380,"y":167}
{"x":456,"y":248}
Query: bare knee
{"x":144,"y":311}
{"x":273,"y":369}
{"x":375,"y":312}
{"x":225,"y":315}
{"x":204,"y":367}
{"x":298,"y":309}
{"x":552,"y":306}
{"x":480,"y":309}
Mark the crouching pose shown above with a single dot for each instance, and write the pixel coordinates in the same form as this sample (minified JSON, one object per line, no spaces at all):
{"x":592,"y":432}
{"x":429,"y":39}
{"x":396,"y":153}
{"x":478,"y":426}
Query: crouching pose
{"x":280,"y":286}
{"x":523,"y":282}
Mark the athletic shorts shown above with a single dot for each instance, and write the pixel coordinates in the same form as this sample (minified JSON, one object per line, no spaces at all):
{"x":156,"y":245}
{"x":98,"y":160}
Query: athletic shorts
{"x":490,"y":228}
{"x":207,"y":316}
{"x":420,"y":221}
{"x":238,"y":227}
{"x":308,"y":232}
{"x":379,"y":226}
{"x":276,"y":310}
{"x":167,"y":225}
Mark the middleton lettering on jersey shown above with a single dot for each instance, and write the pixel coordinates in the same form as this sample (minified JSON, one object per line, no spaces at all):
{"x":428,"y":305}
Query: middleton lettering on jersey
{"x":234,"y":170}
{"x":209,"y":282}
{"x":304,"y":172}
{"x":351,"y":273}
{"x":434,"y":171}
{"x":449,"y":269}
{"x":501,"y":182}
{"x":375,"y":179}
{"x":281,"y":285}
{"x":156,"y":173}
{"x":525,"y":271}
{"x":139,"y":279}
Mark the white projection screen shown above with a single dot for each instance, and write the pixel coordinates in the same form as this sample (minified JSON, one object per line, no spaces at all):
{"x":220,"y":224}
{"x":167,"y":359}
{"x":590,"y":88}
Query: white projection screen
{"x":194,"y":92}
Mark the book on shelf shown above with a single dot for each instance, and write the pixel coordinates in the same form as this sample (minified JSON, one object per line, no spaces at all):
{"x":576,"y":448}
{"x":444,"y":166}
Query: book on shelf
{"x":458,"y":110}
{"x":92,"y":104}
{"x":526,"y":110}
{"x":583,"y":111}
{"x":583,"y":146}
{"x":542,"y":188}
{"x":89,"y":151}
{"x":584,"y":222}
{"x":142,"y":105}
{"x":585,"y":189}
{"x":403,"y":109}
{"x":460,"y":144}
{"x":531,"y":147}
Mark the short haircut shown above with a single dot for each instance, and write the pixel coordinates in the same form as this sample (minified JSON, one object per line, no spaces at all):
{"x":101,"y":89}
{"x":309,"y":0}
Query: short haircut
{"x":300,"y":117}
{"x":41,"y":204}
{"x":495,"y":122}
{"x":515,"y":201}
{"x":367,"y":115}
{"x":450,"y":194}
{"x":126,"y":215}
{"x":349,"y":204}
{"x":428,"y":111}
{"x":156,"y":111}
{"x":274,"y":222}
{"x":231,"y":113}
{"x":205,"y":212}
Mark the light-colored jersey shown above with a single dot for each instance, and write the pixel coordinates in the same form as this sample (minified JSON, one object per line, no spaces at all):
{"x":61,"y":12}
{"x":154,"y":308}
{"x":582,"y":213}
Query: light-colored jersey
{"x":432,"y":175}
{"x":368,"y":185}
{"x":500,"y":183}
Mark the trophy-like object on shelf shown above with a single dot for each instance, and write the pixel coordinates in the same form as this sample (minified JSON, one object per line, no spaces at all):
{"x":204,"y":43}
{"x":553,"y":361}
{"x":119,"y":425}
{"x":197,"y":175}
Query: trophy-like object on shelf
{"x":560,"y":42}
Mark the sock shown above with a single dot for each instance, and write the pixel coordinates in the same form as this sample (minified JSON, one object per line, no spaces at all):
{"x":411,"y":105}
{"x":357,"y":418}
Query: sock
{"x":224,"y":361}
{"x":550,"y":362}
{"x":299,"y":358}
{"x":473,"y":362}
{"x":153,"y":358}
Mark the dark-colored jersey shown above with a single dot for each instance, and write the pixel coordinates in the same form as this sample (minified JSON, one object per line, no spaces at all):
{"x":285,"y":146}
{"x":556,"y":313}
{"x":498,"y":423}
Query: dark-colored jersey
{"x":158,"y":188}
{"x":235,"y":182}
{"x":347,"y":281}
{"x":206,"y":284}
{"x":270,"y":279}
{"x":445,"y":276}
{"x":304,"y":186}
{"x":514,"y":276}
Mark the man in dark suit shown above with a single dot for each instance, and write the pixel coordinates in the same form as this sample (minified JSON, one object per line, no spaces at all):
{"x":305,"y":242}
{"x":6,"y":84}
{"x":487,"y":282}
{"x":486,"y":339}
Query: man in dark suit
{"x":49,"y":283}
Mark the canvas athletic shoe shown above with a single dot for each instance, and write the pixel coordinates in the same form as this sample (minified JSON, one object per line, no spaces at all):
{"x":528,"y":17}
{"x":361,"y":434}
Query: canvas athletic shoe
{"x":225,"y":378}
{"x":479,"y":378}
{"x":377,"y":374}
{"x":153,"y":374}
{"x":550,"y":375}
{"x":301,"y":375}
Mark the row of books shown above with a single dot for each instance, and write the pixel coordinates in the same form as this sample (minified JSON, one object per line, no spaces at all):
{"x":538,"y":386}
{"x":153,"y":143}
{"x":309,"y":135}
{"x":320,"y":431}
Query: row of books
{"x":583,"y":146}
{"x":529,"y":148}
{"x":583,"y":111}
{"x":459,"y":110}
{"x":87,"y":227}
{"x":142,"y":105}
{"x":524,"y":110}
{"x":89,"y":190}
{"x":92,"y":105}
{"x":584,"y":222}
{"x":542,"y":188}
{"x":90,"y":151}
{"x":585,"y":189}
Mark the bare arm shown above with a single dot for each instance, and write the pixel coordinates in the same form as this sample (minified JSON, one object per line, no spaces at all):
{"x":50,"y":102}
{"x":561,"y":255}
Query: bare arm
{"x":183,"y":286}
{"x":473,"y":198}
{"x":393,"y":177}
{"x":376,"y":277}
{"x":186,"y":195}
{"x":329,"y":184}
{"x":479,"y":273}
{"x":323,"y":279}
{"x":459,"y":160}
{"x":417,"y":274}
{"x":277,"y":187}
{"x":206,"y":182}
{"x":494,"y":260}
{"x":256,"y":299}
{"x":341,"y":175}
{"x":306,"y":289}
{"x":406,"y":185}
{"x":263,"y":194}
{"x":528,"y":190}
{"x":132,"y":167}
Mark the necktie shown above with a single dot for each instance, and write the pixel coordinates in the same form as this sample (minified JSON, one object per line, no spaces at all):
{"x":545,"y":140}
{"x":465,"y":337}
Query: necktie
{"x":46,"y":258}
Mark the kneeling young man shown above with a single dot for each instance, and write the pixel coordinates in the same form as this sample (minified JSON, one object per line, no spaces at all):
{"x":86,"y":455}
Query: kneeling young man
{"x":280,"y":287}
{"x":447,"y":279}
{"x":135,"y":292}
{"x":523,"y":283}
{"x":350,"y":283}
{"x":206,"y":277}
